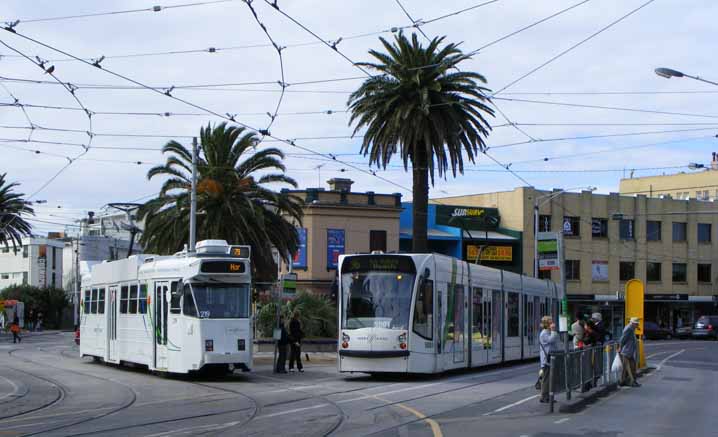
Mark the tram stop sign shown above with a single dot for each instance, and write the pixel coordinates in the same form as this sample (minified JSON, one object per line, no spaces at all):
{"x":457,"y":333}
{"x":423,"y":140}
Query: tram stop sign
{"x":289,"y":284}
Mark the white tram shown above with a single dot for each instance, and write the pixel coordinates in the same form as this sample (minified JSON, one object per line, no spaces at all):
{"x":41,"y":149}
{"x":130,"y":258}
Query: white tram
{"x":428,"y":313}
{"x":173,"y":314}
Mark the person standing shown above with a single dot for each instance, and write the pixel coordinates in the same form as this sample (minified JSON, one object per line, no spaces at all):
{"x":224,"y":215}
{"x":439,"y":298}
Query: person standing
{"x":628,"y":349}
{"x":549,"y":342}
{"x":38,"y":323}
{"x":282,"y":343}
{"x":31,"y":320}
{"x":577,"y":328}
{"x":15,"y":329}
{"x":295,"y":337}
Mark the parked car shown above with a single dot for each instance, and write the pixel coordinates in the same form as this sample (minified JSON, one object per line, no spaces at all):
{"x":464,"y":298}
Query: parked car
{"x":706,"y":327}
{"x":684,"y":332}
{"x":654,"y":332}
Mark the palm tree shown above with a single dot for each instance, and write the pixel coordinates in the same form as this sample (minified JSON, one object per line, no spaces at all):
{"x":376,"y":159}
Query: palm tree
{"x":12,"y":206}
{"x":422,"y":109}
{"x":232,"y":203}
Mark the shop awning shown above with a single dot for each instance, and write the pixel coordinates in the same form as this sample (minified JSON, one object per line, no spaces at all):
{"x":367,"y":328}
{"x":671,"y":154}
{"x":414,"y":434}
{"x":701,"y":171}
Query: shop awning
{"x":492,"y":235}
{"x":433,"y":234}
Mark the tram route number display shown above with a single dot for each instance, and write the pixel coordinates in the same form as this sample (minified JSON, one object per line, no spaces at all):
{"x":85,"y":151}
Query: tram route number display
{"x":222,"y":267}
{"x":380,"y":263}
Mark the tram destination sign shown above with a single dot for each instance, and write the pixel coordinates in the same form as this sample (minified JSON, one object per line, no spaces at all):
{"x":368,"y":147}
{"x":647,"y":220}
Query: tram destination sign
{"x":222,"y":267}
{"x":382,"y":263}
{"x":240,"y":251}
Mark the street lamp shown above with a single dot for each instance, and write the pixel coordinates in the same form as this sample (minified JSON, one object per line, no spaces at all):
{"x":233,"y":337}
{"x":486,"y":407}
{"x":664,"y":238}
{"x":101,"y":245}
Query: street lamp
{"x":537,"y":205}
{"x":669,"y":73}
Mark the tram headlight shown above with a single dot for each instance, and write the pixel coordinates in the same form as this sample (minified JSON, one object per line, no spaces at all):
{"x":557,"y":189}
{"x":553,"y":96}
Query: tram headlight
{"x":209,"y":345}
{"x":402,"y":341}
{"x":345,"y":340}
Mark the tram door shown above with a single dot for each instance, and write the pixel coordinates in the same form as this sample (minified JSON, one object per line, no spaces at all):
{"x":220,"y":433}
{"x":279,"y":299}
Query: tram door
{"x":496,"y":312}
{"x":160,"y":325}
{"x":480,"y":335}
{"x":112,"y":325}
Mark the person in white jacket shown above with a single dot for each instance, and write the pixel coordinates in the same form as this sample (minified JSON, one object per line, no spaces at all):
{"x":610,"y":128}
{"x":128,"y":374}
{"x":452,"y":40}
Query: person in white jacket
{"x":549,"y":341}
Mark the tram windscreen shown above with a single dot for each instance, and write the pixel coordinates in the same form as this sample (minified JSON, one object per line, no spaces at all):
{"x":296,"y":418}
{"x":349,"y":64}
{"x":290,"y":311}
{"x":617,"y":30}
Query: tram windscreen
{"x":376,"y":292}
{"x":219,"y":301}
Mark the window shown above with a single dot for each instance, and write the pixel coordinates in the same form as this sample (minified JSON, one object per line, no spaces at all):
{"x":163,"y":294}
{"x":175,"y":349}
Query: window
{"x":86,"y":301}
{"x":54,"y":265}
{"x":24,"y":251}
{"x":625,"y":229}
{"x":123,"y":299}
{"x":377,"y":241}
{"x":176,"y":296}
{"x":513,"y":313}
{"x":132,"y":301}
{"x":5,"y":276}
{"x":653,"y":230}
{"x":571,"y":226}
{"x":699,"y":195}
{"x":188,"y":307}
{"x":142,"y":299}
{"x":544,"y":223}
{"x":477,"y":316}
{"x":599,"y":228}
{"x":573,"y":269}
{"x":679,"y":272}
{"x":679,"y":231}
{"x":704,"y":232}
{"x":544,"y":274}
{"x":93,"y":301}
{"x":704,"y":273}
{"x":24,"y":278}
{"x":626,"y":270}
{"x":653,"y":271}
{"x":424,"y":310}
{"x":101,"y":301}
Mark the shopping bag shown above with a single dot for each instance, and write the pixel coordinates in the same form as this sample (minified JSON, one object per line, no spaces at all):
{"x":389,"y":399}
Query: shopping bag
{"x":617,"y":365}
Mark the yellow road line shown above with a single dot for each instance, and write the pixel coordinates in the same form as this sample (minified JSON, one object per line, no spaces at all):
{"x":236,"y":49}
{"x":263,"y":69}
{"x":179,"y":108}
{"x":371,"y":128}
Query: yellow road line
{"x":435,"y":428}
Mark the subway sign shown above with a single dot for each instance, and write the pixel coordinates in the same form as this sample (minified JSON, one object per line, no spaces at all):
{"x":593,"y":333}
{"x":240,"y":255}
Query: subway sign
{"x":467,"y":217}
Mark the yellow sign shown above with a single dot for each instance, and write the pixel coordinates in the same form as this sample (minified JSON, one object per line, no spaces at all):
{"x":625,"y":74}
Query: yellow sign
{"x":490,"y":253}
{"x":635,"y":293}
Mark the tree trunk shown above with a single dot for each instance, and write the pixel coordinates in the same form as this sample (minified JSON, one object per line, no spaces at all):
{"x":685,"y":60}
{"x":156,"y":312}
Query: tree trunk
{"x":420,"y":192}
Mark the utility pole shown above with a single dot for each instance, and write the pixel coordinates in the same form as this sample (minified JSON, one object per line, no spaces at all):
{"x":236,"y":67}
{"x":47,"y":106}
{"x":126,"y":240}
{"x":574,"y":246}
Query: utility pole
{"x":193,"y":200}
{"x":78,"y":292}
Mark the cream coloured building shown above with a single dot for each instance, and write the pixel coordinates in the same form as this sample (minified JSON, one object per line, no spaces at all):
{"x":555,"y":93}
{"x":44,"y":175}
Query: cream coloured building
{"x":701,"y":185}
{"x":667,"y":243}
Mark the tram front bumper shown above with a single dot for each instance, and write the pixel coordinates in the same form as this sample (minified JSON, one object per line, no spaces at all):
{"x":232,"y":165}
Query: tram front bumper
{"x":227,"y":358}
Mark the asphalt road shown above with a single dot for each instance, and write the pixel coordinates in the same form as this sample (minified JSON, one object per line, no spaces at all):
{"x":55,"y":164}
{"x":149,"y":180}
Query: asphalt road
{"x":46,"y":389}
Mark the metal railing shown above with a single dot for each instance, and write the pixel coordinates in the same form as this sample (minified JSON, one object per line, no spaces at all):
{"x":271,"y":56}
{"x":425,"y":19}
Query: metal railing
{"x":582,"y":370}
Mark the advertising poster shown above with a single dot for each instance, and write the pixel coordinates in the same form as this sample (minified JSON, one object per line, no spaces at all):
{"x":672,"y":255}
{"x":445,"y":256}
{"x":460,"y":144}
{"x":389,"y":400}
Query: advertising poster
{"x":335,"y":247}
{"x":300,"y":257}
{"x":548,"y":254}
{"x":599,"y":270}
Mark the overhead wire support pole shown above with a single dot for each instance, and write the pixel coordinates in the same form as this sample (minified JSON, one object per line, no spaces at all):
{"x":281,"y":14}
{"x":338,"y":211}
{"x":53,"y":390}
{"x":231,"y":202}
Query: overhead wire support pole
{"x":193,"y":200}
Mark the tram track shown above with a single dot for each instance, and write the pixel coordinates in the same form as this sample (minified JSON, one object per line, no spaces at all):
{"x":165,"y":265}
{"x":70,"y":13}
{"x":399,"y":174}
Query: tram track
{"x":127,"y":404}
{"x":59,"y":398}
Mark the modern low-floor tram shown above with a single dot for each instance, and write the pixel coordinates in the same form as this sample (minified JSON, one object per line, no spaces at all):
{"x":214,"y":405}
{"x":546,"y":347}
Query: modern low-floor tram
{"x":173,"y":314}
{"x":429,"y":313}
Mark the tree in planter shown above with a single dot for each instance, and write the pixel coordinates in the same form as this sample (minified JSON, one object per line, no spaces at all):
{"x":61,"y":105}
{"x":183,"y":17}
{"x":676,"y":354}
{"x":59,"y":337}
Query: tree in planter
{"x":317,"y":315}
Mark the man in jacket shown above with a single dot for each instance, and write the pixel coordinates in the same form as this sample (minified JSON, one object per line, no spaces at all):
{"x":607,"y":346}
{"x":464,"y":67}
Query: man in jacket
{"x":628,"y":349}
{"x":282,"y":344}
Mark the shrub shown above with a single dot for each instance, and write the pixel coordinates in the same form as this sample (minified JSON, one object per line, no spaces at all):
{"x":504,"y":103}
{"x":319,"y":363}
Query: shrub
{"x":49,"y":301}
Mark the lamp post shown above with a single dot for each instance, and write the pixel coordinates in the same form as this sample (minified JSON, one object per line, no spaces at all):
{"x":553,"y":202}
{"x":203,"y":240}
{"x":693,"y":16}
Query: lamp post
{"x":669,"y":73}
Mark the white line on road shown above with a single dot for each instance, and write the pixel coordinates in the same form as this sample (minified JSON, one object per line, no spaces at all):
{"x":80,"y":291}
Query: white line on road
{"x":213,"y":427}
{"x":564,"y":420}
{"x":506,"y":407}
{"x":15,"y":388}
{"x":296,"y":410}
{"x":668,"y":358}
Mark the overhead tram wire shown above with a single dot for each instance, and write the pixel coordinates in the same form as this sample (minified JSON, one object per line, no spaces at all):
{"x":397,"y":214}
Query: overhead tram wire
{"x":413,"y":21}
{"x":156,"y":8}
{"x":574,"y":46}
{"x":16,"y":103}
{"x":201,"y":108}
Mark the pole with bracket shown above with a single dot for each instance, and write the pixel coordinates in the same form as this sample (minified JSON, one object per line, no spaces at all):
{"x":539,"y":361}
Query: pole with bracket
{"x":193,"y":200}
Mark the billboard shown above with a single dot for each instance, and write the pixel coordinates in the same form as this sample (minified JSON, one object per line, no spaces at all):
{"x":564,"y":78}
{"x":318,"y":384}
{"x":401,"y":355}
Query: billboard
{"x":599,"y":270}
{"x":335,"y":247}
{"x":489,"y":253}
{"x":300,"y":257}
{"x":547,"y":248}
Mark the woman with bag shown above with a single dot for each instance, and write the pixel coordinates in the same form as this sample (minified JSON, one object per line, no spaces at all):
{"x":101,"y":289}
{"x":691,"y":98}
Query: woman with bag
{"x":15,"y":329}
{"x":548,"y":342}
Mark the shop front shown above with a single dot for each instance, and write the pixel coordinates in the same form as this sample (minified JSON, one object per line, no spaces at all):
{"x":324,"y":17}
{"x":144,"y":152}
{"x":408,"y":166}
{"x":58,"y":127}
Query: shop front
{"x":674,"y":311}
{"x":611,"y":307}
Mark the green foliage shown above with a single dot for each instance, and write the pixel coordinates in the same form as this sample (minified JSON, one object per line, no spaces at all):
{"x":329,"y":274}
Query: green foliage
{"x":424,"y":108}
{"x":49,"y":301}
{"x":233,"y":201}
{"x":12,"y":226}
{"x":318,"y":315}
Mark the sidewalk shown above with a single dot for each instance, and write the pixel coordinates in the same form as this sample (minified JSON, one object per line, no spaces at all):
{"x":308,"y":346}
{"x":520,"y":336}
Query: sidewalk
{"x":6,"y":336}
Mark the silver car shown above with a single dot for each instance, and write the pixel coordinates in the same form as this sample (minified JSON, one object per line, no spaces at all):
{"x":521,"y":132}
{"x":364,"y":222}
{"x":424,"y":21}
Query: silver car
{"x":706,"y":327}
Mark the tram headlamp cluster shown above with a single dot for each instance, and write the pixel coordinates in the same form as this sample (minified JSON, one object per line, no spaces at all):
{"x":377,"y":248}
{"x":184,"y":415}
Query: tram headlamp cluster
{"x":402,"y":341}
{"x":209,"y":345}
{"x":345,"y":340}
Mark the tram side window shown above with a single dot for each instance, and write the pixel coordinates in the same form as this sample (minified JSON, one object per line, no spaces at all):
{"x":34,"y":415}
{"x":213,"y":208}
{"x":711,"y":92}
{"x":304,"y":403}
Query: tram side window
{"x":93,"y":302}
{"x":124,"y":293}
{"x":101,"y":301}
{"x":142,"y":302}
{"x":133,"y":300}
{"x":188,"y":307}
{"x":86,"y":300}
{"x":513,"y":313}
{"x":424,"y":310}
{"x":477,"y":316}
{"x":175,"y":307}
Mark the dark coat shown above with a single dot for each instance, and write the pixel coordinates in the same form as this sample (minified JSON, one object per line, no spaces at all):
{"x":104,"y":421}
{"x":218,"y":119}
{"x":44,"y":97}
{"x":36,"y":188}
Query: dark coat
{"x":295,"y":331}
{"x":284,"y":337}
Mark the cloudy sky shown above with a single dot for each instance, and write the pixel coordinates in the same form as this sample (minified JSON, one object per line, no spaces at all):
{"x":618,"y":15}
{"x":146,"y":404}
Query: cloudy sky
{"x":636,"y":120}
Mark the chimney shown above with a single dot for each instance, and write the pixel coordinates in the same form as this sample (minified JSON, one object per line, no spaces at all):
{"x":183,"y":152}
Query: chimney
{"x":340,"y":184}
{"x":714,"y":162}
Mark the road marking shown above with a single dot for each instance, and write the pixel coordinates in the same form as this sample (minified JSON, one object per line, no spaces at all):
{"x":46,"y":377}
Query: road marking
{"x":433,"y":424}
{"x":564,"y":420}
{"x":296,"y":410}
{"x":656,"y":354}
{"x":213,"y":427}
{"x":506,"y":407}
{"x":668,"y":358}
{"x":15,"y":388}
